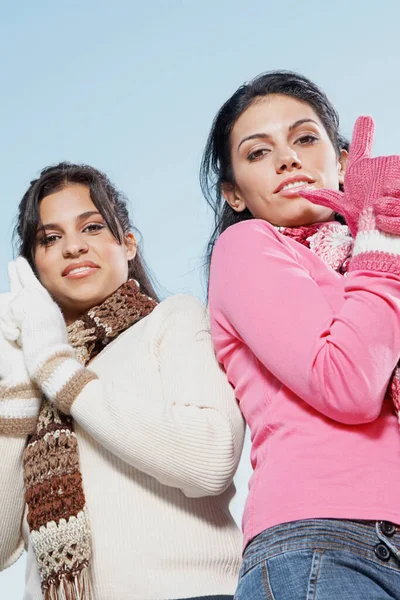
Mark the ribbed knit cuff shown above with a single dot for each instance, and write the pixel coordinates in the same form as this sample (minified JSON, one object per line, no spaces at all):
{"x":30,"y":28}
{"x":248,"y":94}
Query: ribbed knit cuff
{"x":375,"y":250}
{"x":62,"y":379}
{"x":19,"y":409}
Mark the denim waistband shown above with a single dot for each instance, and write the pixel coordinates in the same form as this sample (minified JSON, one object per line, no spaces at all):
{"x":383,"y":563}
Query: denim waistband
{"x":359,"y":537}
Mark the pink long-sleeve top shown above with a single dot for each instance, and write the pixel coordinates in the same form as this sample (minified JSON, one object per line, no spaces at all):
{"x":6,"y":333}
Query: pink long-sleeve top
{"x":309,"y":354}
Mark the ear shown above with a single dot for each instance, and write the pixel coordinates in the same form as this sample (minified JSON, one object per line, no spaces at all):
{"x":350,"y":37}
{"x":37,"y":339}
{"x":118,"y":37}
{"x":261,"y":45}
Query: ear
{"x":342,"y":162}
{"x":130,"y":245}
{"x":233,"y":197}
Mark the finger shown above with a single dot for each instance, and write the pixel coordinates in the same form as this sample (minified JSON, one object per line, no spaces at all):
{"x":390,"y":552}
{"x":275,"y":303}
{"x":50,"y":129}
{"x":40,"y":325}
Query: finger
{"x":5,"y":300}
{"x":387,"y":214}
{"x":392,"y":190}
{"x":362,"y":139}
{"x":7,"y":325}
{"x":9,"y":330}
{"x":329,"y":198}
{"x":388,"y":224}
{"x":387,"y":206}
{"x":27,"y":277}
{"x":15,"y":284}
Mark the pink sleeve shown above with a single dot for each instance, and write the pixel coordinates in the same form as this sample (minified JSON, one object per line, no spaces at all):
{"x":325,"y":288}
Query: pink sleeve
{"x":340,"y":363}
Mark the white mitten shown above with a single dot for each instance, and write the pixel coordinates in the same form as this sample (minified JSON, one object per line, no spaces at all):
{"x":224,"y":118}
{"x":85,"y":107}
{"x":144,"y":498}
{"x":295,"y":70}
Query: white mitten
{"x":49,"y":359}
{"x":19,"y":397}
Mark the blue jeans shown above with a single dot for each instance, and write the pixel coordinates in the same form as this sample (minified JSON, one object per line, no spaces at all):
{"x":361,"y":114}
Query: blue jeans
{"x":322,"y":559}
{"x":210,"y":598}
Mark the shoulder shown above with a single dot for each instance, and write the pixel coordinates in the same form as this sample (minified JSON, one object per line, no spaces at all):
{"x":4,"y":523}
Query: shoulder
{"x":247,"y":239}
{"x":248,"y":246}
{"x":180,"y":304}
{"x":246,"y":230}
{"x":181,"y":313}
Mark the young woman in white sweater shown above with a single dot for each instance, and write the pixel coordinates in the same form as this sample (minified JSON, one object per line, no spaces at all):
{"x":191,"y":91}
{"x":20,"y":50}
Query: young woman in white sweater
{"x":119,"y":433}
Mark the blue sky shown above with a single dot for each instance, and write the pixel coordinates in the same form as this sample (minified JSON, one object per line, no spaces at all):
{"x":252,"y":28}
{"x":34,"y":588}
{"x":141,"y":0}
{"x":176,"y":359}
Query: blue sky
{"x":132,"y":87}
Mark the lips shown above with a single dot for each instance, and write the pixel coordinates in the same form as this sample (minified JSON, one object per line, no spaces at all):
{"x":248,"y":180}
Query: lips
{"x":79,"y":267}
{"x":291,"y":183}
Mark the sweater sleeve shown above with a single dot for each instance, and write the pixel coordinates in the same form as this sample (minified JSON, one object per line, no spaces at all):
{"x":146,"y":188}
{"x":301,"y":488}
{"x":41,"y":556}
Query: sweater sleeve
{"x":339,"y":363}
{"x":11,"y":499}
{"x":191,"y":439}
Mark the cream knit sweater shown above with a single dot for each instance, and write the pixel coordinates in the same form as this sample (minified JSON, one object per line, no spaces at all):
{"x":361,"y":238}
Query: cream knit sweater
{"x":158,"y":447}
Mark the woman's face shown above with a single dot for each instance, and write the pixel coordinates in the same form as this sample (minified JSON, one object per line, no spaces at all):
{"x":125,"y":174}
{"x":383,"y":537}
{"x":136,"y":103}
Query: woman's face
{"x":77,"y":258}
{"x":278,"y":146}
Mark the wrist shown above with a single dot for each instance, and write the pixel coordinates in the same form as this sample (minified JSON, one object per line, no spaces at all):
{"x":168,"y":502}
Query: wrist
{"x":61,"y":379}
{"x":375,"y":250}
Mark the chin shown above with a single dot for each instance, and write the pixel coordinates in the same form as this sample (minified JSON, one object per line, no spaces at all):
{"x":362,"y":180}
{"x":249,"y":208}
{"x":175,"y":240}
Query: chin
{"x":79,"y":303}
{"x":307,"y":215}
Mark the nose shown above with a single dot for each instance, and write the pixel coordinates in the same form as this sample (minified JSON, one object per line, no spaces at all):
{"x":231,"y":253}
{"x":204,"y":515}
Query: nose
{"x":74,"y":246}
{"x":287,"y":160}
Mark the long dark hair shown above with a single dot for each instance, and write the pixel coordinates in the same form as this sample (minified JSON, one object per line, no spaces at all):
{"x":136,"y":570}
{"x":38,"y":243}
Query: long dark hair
{"x":109,"y":201}
{"x":216,"y":165}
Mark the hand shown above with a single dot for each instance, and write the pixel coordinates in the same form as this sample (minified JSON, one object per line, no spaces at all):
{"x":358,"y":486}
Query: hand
{"x":20,"y":398}
{"x":34,"y":318}
{"x":365,"y":183}
{"x":49,"y":359}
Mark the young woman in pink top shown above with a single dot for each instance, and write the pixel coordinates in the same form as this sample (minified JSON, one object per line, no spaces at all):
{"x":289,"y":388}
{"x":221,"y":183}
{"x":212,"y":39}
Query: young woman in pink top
{"x":305,"y":318}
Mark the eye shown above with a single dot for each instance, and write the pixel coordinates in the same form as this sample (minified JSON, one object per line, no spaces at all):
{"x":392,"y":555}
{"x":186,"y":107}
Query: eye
{"x":48,"y":240}
{"x":257,"y":154}
{"x":94,"y":227}
{"x":304,"y":140}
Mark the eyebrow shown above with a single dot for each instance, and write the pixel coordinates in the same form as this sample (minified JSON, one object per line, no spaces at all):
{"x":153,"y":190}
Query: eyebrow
{"x":255,"y":136}
{"x":81,"y":217}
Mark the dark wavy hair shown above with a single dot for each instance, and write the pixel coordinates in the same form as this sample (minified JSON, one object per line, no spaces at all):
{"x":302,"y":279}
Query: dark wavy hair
{"x":216,"y":166}
{"x":109,"y":201}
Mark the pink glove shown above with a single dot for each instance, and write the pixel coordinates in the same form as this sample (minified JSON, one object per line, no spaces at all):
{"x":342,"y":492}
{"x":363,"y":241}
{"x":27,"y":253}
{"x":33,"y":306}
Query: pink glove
{"x":367,"y":181}
{"x":369,"y":203}
{"x":387,"y":209}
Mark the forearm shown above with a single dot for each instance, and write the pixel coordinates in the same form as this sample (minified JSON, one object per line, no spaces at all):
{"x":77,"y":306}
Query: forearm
{"x":173,"y":416}
{"x":186,"y":446}
{"x":339,"y":360}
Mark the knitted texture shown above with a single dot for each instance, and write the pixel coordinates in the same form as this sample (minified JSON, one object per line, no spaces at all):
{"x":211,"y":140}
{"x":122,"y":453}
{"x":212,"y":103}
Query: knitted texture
{"x":333,"y":244}
{"x":369,"y":202}
{"x":331,"y":241}
{"x":375,"y":250}
{"x":19,"y":396}
{"x":57,"y":513}
{"x":89,"y":334}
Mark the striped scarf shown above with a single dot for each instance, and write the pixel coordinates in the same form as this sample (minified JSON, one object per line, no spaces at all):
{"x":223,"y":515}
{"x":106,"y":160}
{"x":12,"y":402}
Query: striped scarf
{"x":57,"y":513}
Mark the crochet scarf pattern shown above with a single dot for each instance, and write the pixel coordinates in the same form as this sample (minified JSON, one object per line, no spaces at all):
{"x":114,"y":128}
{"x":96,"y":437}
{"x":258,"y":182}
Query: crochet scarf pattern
{"x":333,"y":243}
{"x":57,"y":513}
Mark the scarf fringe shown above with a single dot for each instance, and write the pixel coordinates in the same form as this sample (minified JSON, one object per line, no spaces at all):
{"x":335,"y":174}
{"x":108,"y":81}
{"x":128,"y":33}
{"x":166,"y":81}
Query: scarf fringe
{"x":77,"y":588}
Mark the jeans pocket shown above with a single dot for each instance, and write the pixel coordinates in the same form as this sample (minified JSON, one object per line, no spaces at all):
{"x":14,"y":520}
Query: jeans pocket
{"x":254,"y":584}
{"x":288,"y":575}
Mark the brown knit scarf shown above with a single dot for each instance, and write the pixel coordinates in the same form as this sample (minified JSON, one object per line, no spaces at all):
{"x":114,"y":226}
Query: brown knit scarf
{"x":57,"y":513}
{"x":333,"y":243}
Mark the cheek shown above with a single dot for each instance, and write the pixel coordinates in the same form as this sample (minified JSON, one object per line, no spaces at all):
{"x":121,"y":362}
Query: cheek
{"x":115,"y":257}
{"x":328,"y":166}
{"x":255,"y":181}
{"x":46,"y":266}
